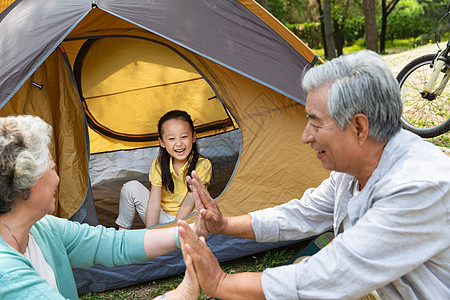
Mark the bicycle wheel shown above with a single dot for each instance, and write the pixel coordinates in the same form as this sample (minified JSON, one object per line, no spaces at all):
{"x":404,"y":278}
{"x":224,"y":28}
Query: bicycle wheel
{"x":427,"y":118}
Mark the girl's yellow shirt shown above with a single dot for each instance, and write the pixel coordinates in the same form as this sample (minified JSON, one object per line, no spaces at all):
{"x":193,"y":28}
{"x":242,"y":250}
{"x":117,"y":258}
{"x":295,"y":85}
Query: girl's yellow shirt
{"x":171,"y":202}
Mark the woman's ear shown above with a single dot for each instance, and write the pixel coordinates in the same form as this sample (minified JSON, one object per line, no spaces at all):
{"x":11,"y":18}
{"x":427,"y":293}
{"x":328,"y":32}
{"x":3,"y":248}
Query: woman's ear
{"x":194,"y":137}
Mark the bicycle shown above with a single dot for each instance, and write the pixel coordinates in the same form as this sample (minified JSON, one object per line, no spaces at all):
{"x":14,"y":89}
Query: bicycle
{"x":426,"y":100}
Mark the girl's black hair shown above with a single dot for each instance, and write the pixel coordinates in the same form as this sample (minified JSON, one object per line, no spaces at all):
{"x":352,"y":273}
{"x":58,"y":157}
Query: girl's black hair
{"x":164,"y":156}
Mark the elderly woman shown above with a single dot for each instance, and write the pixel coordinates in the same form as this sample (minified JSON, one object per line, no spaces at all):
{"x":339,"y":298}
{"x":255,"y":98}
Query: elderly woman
{"x":38,"y":250}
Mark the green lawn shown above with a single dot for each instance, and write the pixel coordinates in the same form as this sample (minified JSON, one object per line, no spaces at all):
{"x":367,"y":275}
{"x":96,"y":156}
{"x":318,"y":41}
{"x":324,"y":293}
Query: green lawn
{"x":391,"y":47}
{"x":253,"y":263}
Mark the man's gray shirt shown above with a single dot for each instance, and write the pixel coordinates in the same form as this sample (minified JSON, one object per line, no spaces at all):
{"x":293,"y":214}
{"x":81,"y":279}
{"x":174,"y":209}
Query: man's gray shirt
{"x":399,"y":243}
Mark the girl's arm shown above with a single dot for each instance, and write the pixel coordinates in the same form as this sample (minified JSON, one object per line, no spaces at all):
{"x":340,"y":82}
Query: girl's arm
{"x":204,"y":172}
{"x":160,"y":241}
{"x":153,"y":206}
{"x":186,"y":207}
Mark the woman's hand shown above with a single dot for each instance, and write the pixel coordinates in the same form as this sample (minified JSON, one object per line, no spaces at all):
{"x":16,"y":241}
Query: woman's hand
{"x":197,"y":254}
{"x":207,"y":208}
{"x":189,"y":288}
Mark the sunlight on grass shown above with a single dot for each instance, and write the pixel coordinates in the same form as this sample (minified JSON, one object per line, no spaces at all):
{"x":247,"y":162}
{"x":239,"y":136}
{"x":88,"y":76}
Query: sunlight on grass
{"x":391,"y":47}
{"x":442,"y":140}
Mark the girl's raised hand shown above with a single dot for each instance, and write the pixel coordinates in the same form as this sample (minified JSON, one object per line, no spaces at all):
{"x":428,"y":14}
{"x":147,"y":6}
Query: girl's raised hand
{"x":207,"y":208}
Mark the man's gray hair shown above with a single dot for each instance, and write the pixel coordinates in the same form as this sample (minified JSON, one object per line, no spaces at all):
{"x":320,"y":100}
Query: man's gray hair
{"x":24,"y":158}
{"x":360,"y":83}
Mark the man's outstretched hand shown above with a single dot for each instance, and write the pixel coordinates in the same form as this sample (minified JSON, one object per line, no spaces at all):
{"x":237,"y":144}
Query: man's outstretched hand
{"x":207,"y":209}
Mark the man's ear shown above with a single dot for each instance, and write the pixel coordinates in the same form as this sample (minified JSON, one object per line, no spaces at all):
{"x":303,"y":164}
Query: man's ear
{"x":360,"y":124}
{"x":161,"y":143}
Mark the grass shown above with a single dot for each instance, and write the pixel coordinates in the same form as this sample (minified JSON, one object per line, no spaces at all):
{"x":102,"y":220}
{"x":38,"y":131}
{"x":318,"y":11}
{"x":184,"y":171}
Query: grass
{"x":442,"y":140}
{"x":391,"y":47}
{"x":252,"y":263}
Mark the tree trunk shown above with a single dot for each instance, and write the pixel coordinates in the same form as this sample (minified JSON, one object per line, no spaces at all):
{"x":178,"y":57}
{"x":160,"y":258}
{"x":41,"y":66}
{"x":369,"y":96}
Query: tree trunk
{"x":322,"y":28}
{"x":383,"y":25}
{"x":338,"y":39}
{"x":331,"y":49}
{"x":370,"y":25}
{"x":385,"y":11}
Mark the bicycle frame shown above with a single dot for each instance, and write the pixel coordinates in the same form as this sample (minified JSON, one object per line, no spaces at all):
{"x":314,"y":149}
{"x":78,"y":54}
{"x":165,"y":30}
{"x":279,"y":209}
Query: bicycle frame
{"x":424,"y":92}
{"x":439,"y":63}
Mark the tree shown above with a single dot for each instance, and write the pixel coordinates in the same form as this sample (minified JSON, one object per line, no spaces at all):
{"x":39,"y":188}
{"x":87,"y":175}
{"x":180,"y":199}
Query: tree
{"x":328,"y":26}
{"x":340,"y":15}
{"x":385,"y":11}
{"x":370,"y":25}
{"x":338,"y":38}
{"x":322,"y":28}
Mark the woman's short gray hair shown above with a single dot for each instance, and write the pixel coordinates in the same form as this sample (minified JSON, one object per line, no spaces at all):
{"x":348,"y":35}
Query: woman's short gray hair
{"x":360,"y":83}
{"x":24,"y":158}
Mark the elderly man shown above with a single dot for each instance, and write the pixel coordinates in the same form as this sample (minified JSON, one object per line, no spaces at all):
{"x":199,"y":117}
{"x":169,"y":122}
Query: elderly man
{"x":387,"y":199}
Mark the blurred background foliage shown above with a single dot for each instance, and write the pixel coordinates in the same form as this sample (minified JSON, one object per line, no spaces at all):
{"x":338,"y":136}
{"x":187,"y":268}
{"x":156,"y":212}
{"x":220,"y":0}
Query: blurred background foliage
{"x":411,"y":20}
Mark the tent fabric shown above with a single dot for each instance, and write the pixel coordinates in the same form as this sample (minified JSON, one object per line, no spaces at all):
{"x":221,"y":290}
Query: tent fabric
{"x":231,"y":41}
{"x":149,"y":77}
{"x":184,"y":21}
{"x":49,"y":93}
{"x":22,"y":51}
{"x":245,"y":66}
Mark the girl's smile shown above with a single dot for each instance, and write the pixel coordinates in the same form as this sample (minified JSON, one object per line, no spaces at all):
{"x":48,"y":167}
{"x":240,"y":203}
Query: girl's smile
{"x":180,"y":152}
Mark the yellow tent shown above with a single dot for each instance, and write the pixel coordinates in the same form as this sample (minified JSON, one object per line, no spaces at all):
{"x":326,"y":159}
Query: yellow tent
{"x":102,"y":73}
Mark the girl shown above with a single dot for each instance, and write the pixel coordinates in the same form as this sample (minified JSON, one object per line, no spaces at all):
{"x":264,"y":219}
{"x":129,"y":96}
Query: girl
{"x":168,"y":198}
